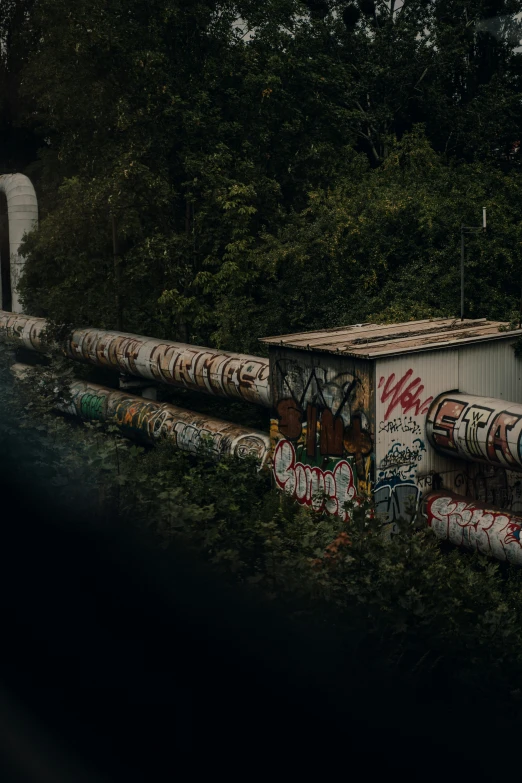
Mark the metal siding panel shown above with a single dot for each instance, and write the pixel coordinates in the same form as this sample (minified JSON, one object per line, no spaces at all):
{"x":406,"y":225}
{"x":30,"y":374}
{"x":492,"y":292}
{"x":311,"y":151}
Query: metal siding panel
{"x":404,"y":460}
{"x":491,"y":370}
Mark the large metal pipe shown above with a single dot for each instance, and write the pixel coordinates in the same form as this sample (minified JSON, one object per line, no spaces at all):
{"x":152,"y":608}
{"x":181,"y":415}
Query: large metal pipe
{"x":478,"y":429}
{"x":474,"y":526}
{"x":153,"y":421}
{"x":22,"y":215}
{"x":224,"y":374}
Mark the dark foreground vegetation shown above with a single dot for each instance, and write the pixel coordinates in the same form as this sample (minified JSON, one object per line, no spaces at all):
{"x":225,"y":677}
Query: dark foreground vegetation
{"x":242,"y":615}
{"x":122,"y":662}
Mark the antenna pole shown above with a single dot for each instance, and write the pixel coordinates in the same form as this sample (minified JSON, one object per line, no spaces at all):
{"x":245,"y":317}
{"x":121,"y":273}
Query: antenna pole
{"x":462,"y":257}
{"x":470,"y":230}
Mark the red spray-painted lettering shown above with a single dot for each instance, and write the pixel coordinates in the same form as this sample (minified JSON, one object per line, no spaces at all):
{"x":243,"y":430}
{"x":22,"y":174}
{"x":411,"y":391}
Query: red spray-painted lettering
{"x":404,"y":394}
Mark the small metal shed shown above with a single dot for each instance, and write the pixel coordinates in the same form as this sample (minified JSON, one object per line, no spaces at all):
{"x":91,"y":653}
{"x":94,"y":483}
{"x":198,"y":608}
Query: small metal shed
{"x":349,"y":410}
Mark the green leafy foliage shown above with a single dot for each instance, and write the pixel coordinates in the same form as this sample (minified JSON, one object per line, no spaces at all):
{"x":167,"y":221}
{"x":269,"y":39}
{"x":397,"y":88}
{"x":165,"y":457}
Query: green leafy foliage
{"x":385,"y":244}
{"x":265,"y":164}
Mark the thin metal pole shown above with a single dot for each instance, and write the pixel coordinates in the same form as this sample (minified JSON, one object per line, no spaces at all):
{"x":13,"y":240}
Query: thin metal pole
{"x":462,"y":256}
{"x":117,"y":274}
{"x":520,"y":311}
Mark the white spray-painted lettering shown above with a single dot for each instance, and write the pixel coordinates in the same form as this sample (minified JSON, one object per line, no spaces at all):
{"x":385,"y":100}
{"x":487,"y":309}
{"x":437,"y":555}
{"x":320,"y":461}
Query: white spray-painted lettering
{"x":322,"y":490}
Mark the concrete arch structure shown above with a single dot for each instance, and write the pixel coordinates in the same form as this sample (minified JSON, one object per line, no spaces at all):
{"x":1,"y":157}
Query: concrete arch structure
{"x":22,"y":215}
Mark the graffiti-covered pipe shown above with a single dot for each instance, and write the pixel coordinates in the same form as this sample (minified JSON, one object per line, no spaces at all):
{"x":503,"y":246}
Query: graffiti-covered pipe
{"x":475,"y":526}
{"x":153,"y":421}
{"x":478,"y":429}
{"x":233,"y":375}
{"x":22,"y":216}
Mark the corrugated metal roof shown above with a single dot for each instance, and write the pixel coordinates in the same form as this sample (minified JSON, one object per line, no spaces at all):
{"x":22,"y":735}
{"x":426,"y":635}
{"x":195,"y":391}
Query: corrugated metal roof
{"x":369,"y":341}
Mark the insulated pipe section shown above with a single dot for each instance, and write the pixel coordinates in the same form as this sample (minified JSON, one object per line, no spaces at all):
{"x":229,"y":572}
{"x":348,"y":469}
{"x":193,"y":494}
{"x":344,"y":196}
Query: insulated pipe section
{"x":153,"y":421}
{"x":22,"y":215}
{"x":232,"y":375}
{"x":474,"y":526}
{"x":478,"y":429}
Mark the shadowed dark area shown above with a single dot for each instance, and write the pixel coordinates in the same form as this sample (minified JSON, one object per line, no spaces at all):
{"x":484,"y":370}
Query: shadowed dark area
{"x":5,"y":275}
{"x":120,"y":661}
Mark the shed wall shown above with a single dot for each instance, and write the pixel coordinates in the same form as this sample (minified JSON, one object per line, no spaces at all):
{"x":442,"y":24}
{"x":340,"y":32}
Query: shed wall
{"x":491,"y":370}
{"x":322,"y":427}
{"x":405,"y":386}
{"x":406,"y":466}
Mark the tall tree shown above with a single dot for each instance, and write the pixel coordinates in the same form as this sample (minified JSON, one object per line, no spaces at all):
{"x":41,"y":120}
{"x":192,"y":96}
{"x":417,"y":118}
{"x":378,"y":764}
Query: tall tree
{"x":473,"y":108}
{"x":385,"y":246}
{"x":453,"y":64}
{"x":205,"y":143}
{"x":162,"y":114}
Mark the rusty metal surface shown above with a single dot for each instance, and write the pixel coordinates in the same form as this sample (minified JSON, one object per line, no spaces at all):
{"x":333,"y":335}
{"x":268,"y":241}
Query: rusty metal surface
{"x":370,"y":341}
{"x":153,"y":421}
{"x":237,"y":376}
{"x":472,"y":525}
{"x":478,"y":429}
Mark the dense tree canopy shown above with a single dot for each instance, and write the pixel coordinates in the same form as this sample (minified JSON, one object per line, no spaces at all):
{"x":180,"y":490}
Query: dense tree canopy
{"x":269,"y":166}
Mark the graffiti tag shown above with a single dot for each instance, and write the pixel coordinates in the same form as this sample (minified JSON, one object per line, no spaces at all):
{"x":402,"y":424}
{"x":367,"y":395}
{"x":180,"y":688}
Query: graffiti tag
{"x":400,"y":424}
{"x":396,"y":500}
{"x":403,"y":394}
{"x":400,"y":455}
{"x":401,"y":461}
{"x":327,"y":490}
{"x":467,"y":524}
{"x":477,"y":429}
{"x":91,"y":406}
